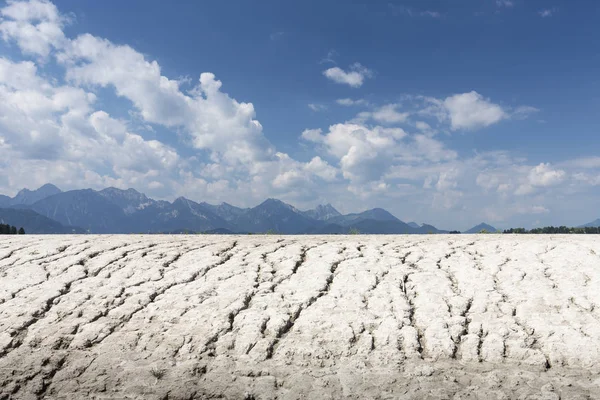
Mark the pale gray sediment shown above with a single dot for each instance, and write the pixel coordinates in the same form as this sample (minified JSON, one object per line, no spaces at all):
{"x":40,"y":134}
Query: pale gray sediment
{"x":291,"y":317}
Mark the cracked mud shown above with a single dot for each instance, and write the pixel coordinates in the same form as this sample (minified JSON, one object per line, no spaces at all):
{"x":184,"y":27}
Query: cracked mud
{"x":296,"y":317}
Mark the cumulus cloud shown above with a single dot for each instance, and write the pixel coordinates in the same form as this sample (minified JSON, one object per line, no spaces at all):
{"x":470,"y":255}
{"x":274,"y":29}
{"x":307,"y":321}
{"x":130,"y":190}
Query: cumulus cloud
{"x":544,"y":175}
{"x":321,"y":169}
{"x":362,"y":152}
{"x":466,"y":111}
{"x":36,"y":26}
{"x":389,"y":114}
{"x":366,"y":154}
{"x":471,"y":111}
{"x":354,"y":77}
{"x":213,"y":119}
{"x":57,"y":127}
{"x":61,"y":124}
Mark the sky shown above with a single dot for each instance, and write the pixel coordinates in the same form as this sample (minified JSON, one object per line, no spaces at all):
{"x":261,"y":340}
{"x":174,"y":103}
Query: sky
{"x":449,"y":113}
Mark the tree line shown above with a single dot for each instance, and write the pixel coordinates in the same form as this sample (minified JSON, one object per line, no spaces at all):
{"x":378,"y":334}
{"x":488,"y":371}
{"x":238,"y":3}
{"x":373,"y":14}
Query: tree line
{"x":556,"y":229}
{"x":546,"y":230}
{"x":6,"y":229}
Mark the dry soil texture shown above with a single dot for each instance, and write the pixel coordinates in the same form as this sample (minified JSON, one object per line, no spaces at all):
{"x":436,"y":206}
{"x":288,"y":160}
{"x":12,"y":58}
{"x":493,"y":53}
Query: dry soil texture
{"x":300,"y":317}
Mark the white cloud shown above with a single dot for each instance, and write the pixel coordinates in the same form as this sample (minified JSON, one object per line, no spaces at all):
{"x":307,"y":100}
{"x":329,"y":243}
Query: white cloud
{"x":465,"y":111}
{"x":317,"y":107}
{"x":276,"y":35}
{"x":330,"y":57}
{"x":471,"y":111}
{"x":539,"y":210}
{"x":400,"y":9}
{"x":432,"y":14}
{"x":584,"y":162}
{"x":313,"y":135}
{"x":389,"y":114}
{"x":548,"y":12}
{"x":523,"y":112}
{"x":363,"y":153}
{"x":321,"y":169}
{"x":367,"y":154}
{"x":56,"y":129}
{"x":588,"y":179}
{"x":431,"y":149}
{"x":350,"y":102}
{"x":423,"y":126}
{"x":544,"y":175}
{"x":354,"y":77}
{"x":447,"y":180}
{"x":504,"y":3}
{"x":212,"y":119}
{"x":36,"y":26}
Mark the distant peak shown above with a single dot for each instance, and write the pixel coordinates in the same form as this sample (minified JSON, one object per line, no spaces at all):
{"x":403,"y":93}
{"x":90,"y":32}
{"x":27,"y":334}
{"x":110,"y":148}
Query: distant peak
{"x":26,"y":196}
{"x":480,"y":227}
{"x":115,"y":189}
{"x":330,"y":208}
{"x":272,"y":201}
{"x":49,"y":186}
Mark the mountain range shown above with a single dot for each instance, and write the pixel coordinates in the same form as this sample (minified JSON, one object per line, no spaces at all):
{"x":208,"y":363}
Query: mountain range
{"x":112,"y":210}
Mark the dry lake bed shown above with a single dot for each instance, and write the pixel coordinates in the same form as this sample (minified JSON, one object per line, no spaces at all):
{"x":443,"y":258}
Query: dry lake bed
{"x":300,"y":317}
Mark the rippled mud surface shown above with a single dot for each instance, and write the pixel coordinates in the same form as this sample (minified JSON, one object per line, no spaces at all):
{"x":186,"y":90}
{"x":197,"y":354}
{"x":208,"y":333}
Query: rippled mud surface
{"x":297,"y":317}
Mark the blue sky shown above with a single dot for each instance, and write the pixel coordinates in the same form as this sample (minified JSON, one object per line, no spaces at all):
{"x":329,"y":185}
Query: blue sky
{"x":450,"y":113}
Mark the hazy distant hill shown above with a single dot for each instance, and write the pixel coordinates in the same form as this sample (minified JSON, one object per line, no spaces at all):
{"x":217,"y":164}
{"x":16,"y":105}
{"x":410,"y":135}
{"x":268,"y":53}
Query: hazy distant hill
{"x":480,"y":227}
{"x":591,"y":224}
{"x":383,"y":226}
{"x":85,"y":208}
{"x":33,"y":222}
{"x":4,"y":200}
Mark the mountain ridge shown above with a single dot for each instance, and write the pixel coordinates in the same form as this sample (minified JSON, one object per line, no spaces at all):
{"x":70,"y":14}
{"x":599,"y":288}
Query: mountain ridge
{"x":113,"y":210}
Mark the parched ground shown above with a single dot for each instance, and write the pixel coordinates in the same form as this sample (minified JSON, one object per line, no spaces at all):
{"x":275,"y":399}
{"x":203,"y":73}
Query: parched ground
{"x":300,"y":317}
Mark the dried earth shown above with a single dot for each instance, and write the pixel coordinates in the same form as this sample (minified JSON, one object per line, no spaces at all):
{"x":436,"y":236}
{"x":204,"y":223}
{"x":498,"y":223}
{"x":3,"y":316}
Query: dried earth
{"x":300,"y":317}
